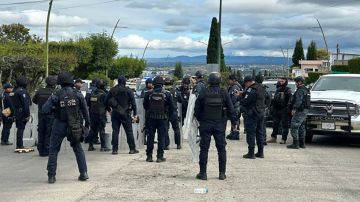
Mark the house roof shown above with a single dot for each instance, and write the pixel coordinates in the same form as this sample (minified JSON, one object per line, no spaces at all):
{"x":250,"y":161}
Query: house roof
{"x":311,"y":62}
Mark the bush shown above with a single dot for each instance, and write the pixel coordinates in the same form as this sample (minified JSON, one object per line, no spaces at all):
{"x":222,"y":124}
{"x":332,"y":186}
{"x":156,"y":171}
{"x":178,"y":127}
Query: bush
{"x":312,"y":77}
{"x":354,"y":65}
{"x":99,"y":75}
{"x":340,"y":68}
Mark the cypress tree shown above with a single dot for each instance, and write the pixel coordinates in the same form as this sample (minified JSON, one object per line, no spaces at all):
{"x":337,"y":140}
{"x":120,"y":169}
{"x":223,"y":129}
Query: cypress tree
{"x":312,"y":51}
{"x":298,"y":53}
{"x":212,"y":49}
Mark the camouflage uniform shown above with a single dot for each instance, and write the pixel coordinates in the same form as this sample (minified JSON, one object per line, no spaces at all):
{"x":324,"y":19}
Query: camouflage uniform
{"x":299,"y":105}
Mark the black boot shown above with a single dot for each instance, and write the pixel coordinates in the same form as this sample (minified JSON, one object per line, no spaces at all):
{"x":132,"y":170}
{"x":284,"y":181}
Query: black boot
{"x":302,"y":144}
{"x":160,"y":159}
{"x":91,"y":147}
{"x":201,"y":176}
{"x":6,"y":143}
{"x":83,"y":176}
{"x":149,"y":158}
{"x":250,"y":154}
{"x":295,"y":145}
{"x":51,"y":179}
{"x":222,"y":176}
{"x":178,"y":146}
{"x":133,"y":151}
{"x":260,"y":153}
{"x":115,"y":150}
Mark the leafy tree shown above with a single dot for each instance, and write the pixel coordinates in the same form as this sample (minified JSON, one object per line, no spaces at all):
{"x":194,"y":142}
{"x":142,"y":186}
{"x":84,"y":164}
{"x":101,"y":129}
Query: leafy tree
{"x":253,"y":73}
{"x":239,"y":75}
{"x":266,"y":73}
{"x":298,"y":53}
{"x":127,"y":66}
{"x":17,"y":33}
{"x":322,"y":54}
{"x":104,"y":49}
{"x":178,"y":73}
{"x":312,"y":51}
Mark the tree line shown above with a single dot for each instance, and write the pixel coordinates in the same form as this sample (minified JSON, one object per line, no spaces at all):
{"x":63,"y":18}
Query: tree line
{"x":96,"y":54}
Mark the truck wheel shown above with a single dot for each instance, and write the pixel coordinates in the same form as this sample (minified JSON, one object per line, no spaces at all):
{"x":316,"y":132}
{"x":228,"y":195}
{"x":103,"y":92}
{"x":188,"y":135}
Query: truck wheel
{"x":309,"y":136}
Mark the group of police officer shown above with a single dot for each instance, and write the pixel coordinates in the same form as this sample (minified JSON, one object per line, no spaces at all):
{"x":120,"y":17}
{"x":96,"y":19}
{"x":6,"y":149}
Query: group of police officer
{"x":65,"y":112}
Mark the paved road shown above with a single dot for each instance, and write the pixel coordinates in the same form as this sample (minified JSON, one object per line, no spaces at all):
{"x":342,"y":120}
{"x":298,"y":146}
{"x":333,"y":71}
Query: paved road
{"x":327,"y":170}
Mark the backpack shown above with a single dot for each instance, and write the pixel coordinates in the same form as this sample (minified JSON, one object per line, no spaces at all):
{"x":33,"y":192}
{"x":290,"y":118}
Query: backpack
{"x":157,"y":102}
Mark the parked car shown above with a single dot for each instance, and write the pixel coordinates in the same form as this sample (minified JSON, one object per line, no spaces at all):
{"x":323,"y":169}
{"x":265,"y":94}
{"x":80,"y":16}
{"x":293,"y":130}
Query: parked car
{"x":335,"y":101}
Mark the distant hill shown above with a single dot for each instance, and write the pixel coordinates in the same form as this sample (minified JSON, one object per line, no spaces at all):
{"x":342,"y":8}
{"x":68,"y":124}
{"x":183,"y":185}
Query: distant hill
{"x":230,"y":60}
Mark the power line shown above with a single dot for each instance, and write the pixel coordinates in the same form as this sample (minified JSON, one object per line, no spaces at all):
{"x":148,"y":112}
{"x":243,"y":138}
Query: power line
{"x":85,"y":5}
{"x":23,"y":3}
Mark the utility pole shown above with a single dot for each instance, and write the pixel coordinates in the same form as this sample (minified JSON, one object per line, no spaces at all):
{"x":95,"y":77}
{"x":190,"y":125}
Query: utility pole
{"x":285,"y":61}
{"x":322,"y":31}
{"x":112,"y":36}
{"x":219,"y":42}
{"x":47,"y":39}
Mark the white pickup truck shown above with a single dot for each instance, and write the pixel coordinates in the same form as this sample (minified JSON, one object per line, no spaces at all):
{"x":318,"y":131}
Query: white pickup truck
{"x":335,"y":100}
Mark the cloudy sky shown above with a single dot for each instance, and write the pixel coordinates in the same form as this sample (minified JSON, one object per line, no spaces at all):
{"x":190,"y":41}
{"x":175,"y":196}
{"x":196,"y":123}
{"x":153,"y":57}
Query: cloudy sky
{"x":175,"y":27}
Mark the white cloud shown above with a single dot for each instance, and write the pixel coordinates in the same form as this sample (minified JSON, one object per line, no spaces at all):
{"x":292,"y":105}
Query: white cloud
{"x":37,"y":18}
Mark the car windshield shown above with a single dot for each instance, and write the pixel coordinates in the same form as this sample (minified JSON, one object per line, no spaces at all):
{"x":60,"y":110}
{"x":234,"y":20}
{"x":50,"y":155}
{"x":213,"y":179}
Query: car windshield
{"x":338,"y":83}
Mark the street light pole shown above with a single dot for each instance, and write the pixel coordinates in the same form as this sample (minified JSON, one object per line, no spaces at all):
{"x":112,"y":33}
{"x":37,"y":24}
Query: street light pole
{"x":219,"y":42}
{"x":47,"y":39}
{"x":112,"y":35}
{"x":147,"y":45}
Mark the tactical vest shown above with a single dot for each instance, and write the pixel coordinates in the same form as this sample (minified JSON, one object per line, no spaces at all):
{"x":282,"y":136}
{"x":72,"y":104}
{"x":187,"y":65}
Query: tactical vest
{"x":43,"y":96}
{"x":96,"y":105}
{"x":68,"y":106}
{"x":307,"y":97}
{"x":120,"y":100}
{"x":214,"y":105}
{"x":280,"y":99}
{"x":260,"y":97}
{"x":157,"y":108}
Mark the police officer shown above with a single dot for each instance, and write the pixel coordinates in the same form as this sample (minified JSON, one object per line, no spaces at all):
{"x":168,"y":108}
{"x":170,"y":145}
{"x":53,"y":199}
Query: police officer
{"x":173,"y":119}
{"x":92,"y":88}
{"x":259,"y":79}
{"x":183,"y":95}
{"x":21,"y":102}
{"x":120,"y":101}
{"x":149,"y":86}
{"x":253,"y":101}
{"x":234,"y":87}
{"x":211,"y":110}
{"x":200,"y":83}
{"x":78,"y":84}
{"x":300,"y":105}
{"x":159,"y":106}
{"x":97,"y":111}
{"x":67,"y":103}
{"x":280,"y":110}
{"x":45,"y":121}
{"x":7,"y":119}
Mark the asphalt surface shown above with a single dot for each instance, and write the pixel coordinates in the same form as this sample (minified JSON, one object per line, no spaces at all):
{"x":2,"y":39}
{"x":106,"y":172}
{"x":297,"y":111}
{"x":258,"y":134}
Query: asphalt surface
{"x":327,"y":170}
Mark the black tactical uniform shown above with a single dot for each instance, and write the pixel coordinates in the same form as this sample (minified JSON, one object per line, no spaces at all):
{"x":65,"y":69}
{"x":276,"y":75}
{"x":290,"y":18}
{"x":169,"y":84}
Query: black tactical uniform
{"x":67,"y":103}
{"x":143,"y":92}
{"x":232,"y":90}
{"x":21,"y":102}
{"x":97,"y":110}
{"x":159,"y":107}
{"x":183,"y":95}
{"x":253,"y":101}
{"x":173,"y":120}
{"x":280,"y":112}
{"x":120,"y":101}
{"x":200,"y":83}
{"x":92,"y":88}
{"x":45,"y":121}
{"x":9,"y":119}
{"x":212,"y":107}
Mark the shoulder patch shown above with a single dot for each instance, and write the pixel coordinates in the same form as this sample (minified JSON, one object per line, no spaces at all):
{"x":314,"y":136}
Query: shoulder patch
{"x":24,"y":95}
{"x":249,"y":90}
